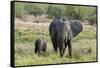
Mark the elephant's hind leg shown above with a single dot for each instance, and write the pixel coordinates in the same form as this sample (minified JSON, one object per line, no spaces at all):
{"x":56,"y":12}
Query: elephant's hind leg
{"x":70,"y":48}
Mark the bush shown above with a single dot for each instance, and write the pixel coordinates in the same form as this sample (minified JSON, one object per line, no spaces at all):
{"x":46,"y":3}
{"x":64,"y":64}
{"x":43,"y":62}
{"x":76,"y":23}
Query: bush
{"x":55,"y":11}
{"x":19,"y":10}
{"x":71,"y":12}
{"x":34,"y":9}
{"x":77,"y":12}
{"x":22,"y":9}
{"x":92,"y":19}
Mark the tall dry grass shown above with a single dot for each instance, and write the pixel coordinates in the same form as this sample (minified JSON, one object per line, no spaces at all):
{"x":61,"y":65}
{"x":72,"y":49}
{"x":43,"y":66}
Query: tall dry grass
{"x":83,"y":46}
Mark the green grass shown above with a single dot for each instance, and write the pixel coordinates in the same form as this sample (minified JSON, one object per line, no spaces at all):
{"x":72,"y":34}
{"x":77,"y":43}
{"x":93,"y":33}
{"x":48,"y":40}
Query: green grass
{"x":83,"y":46}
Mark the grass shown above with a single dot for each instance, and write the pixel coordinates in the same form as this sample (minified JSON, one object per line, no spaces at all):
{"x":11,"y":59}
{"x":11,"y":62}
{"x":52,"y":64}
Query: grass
{"x":83,"y":46}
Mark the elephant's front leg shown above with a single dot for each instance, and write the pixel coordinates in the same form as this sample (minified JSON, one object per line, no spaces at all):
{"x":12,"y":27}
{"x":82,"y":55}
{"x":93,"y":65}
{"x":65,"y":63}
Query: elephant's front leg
{"x":61,"y":49}
{"x":61,"y":52}
{"x":70,"y":48}
{"x":55,"y":48}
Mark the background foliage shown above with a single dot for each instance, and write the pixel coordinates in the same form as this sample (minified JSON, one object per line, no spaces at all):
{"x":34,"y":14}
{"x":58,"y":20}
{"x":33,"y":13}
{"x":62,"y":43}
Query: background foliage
{"x":71,"y":12}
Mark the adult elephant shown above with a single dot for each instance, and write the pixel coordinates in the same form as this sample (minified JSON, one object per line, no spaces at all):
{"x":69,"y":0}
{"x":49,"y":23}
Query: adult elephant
{"x":61,"y":32}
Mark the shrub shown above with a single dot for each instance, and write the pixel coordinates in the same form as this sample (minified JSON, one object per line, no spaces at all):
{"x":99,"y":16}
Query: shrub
{"x":71,"y":12}
{"x":92,"y":19}
{"x":34,"y":9}
{"x":76,"y":12}
{"x":55,"y":10}
{"x":19,"y":10}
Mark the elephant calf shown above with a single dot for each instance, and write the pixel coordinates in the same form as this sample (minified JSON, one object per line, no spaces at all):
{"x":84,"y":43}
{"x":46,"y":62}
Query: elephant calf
{"x":40,"y":46}
{"x":62,"y":32}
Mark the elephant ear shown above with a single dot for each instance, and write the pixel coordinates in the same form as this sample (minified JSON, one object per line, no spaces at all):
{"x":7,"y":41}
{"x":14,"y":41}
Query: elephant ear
{"x":76,"y":27}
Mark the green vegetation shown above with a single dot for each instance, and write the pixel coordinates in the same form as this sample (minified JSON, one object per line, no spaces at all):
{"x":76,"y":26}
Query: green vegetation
{"x":84,"y":45}
{"x":56,"y":10}
{"x":92,"y":19}
{"x":71,"y":12}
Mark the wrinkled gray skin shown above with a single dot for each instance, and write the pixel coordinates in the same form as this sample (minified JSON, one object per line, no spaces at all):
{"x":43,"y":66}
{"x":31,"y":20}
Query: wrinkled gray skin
{"x":40,"y":46}
{"x":62,"y":31}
